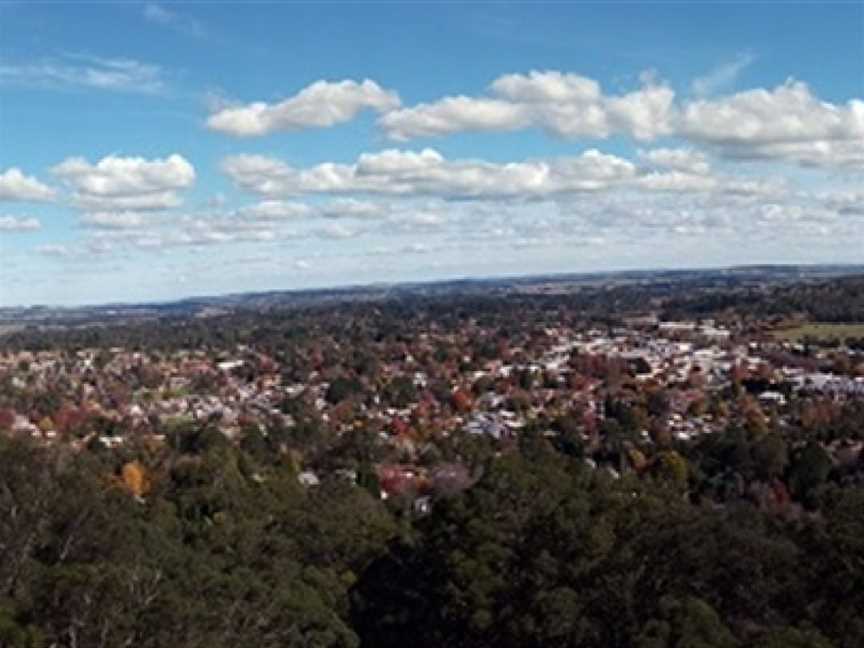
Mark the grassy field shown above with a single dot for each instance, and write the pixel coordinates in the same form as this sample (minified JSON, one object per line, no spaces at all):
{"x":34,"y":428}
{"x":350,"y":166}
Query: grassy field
{"x":821,"y":331}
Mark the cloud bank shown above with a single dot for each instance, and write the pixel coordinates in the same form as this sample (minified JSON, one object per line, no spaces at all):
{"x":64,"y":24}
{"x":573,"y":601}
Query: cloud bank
{"x":787,"y":123}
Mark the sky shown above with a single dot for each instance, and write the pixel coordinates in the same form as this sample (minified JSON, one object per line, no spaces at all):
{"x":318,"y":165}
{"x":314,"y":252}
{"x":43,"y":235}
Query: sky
{"x":152,"y":151}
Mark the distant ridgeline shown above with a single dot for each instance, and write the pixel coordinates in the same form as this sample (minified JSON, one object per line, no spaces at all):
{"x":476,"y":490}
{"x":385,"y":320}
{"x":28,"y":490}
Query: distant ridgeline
{"x":834,"y":300}
{"x":755,"y":292}
{"x":705,"y":291}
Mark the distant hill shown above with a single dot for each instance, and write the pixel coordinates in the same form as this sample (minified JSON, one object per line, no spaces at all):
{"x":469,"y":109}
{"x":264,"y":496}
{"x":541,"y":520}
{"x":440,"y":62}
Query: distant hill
{"x":838,"y":299}
{"x":703,"y":294}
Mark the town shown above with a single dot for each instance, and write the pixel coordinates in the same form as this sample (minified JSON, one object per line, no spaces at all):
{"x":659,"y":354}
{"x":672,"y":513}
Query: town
{"x":646,"y":384}
{"x":355,"y":473}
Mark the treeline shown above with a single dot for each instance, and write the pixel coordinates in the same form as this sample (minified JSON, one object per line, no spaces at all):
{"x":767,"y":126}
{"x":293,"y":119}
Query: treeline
{"x":206,"y":543}
{"x":835,"y":300}
{"x":358,"y":322}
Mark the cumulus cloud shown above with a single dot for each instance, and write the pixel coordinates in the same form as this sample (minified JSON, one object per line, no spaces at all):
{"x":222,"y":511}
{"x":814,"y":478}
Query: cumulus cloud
{"x":427,"y":172}
{"x":276,"y":210}
{"x":543,"y":87}
{"x":686,"y":160}
{"x":824,"y":154}
{"x":84,"y":71}
{"x":566,"y":105}
{"x":14,"y":185}
{"x":18,"y":224}
{"x":722,"y":77}
{"x":676,"y":181}
{"x":126,"y":183}
{"x":413,"y":174}
{"x":645,"y":114}
{"x":454,"y":115}
{"x":322,"y":104}
{"x":786,"y":123}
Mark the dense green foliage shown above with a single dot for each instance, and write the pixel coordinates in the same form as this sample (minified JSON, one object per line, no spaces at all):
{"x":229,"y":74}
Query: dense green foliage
{"x":225,"y":550}
{"x":542,"y":554}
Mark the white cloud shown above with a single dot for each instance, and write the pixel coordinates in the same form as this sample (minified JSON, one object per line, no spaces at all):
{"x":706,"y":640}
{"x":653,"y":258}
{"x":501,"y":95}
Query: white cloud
{"x":826,"y":154}
{"x":645,"y":114}
{"x":154,"y":201}
{"x":654,"y":207}
{"x":721,"y":77}
{"x":592,"y":170}
{"x":114,"y":74}
{"x":543,"y":87}
{"x":684,"y":182}
{"x":454,"y":115}
{"x":566,"y":105}
{"x":405,"y":178}
{"x":411,"y":219}
{"x":126,"y":183}
{"x":17,"y":224}
{"x":786,"y":123}
{"x":319,"y":105}
{"x":14,"y":185}
{"x":353,"y":208}
{"x":276,"y":210}
{"x":676,"y":181}
{"x":158,"y":14}
{"x":686,"y":160}
{"x":127,"y":176}
{"x":427,"y":172}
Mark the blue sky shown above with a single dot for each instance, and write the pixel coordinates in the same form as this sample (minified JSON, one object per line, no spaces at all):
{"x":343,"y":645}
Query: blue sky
{"x":152,"y":151}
